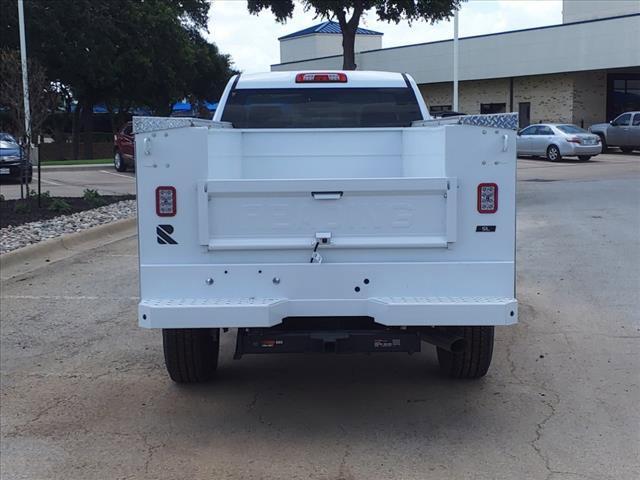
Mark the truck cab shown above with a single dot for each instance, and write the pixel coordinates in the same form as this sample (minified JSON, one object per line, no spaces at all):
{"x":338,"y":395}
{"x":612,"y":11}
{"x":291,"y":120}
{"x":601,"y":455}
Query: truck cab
{"x":623,"y":132}
{"x":326,"y":212}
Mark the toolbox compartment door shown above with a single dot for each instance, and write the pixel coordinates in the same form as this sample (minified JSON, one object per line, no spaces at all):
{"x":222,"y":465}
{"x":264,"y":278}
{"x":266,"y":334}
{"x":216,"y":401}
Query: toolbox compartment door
{"x":267,"y":214}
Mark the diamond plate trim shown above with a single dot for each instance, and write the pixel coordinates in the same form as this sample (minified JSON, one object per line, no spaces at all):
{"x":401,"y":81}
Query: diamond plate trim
{"x":508,"y":121}
{"x":153,"y":124}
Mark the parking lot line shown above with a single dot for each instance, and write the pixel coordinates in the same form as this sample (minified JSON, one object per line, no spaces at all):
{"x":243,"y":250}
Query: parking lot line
{"x":63,"y":297}
{"x":118,"y":174}
{"x":47,"y":182}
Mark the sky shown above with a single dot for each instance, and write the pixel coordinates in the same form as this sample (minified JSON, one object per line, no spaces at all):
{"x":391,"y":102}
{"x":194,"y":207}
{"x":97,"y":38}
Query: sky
{"x":252,"y":41}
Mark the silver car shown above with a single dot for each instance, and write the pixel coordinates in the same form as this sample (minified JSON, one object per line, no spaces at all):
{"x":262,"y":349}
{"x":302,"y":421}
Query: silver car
{"x":557,"y":140}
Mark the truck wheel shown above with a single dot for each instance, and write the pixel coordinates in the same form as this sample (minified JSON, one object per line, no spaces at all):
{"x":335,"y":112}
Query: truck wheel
{"x":474,"y":361}
{"x":118,"y":162}
{"x":603,"y":142}
{"x":191,"y":354}
{"x":553,"y":154}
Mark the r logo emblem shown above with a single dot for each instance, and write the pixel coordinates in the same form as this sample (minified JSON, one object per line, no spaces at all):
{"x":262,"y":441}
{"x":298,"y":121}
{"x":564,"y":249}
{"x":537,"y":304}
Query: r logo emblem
{"x":164,"y":235}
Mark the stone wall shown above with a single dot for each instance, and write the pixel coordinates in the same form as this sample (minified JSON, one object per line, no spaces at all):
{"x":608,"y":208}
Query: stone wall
{"x":589,"y":98}
{"x":565,"y":97}
{"x":551,"y":97}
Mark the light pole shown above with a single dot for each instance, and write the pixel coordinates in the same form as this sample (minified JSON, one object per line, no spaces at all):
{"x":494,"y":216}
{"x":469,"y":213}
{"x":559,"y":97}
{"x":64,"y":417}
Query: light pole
{"x":25,"y":93}
{"x":455,"y":61}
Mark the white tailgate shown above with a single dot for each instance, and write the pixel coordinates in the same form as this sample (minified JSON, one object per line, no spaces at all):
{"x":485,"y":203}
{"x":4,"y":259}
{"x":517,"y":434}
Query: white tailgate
{"x":348,"y":213}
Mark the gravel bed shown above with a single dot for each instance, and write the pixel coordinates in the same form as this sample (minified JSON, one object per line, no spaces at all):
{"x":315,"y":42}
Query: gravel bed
{"x":12,"y":238}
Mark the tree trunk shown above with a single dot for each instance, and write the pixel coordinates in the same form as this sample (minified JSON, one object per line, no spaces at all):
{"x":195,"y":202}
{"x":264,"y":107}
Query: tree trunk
{"x":75,"y":131}
{"x":87,"y":126}
{"x":348,"y":49}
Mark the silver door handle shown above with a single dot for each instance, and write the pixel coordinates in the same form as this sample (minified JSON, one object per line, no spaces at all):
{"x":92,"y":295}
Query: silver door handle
{"x":327,"y":195}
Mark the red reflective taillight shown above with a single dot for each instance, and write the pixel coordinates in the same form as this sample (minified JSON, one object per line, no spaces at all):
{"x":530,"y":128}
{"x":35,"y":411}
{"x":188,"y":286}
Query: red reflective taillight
{"x":321,"y":77}
{"x":165,"y":201}
{"x":574,"y":140}
{"x":487,"y":198}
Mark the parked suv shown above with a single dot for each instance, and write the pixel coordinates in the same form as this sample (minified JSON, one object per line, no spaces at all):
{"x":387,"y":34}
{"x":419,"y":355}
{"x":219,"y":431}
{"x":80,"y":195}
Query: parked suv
{"x":623,"y":132}
{"x":123,"y":148}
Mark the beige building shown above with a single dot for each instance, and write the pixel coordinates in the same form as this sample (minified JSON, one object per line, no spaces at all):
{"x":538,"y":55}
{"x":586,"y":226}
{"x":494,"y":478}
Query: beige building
{"x":584,"y":71}
{"x":577,"y":97}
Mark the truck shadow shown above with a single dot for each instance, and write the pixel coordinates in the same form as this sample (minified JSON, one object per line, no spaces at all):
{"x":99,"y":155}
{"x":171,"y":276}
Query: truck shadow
{"x":331,"y":398}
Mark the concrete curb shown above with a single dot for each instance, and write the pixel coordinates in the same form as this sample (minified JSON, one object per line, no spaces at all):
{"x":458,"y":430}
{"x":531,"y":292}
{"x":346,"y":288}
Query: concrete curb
{"x":31,"y":257}
{"x":73,"y":168}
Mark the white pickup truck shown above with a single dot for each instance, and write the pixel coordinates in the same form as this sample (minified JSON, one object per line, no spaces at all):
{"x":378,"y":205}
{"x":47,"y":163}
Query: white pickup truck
{"x":326,"y":212}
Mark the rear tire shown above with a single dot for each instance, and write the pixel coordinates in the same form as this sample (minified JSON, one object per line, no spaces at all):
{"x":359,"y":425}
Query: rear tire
{"x":553,"y":154}
{"x":603,"y":141}
{"x":584,"y":158}
{"x":118,"y":162}
{"x":474,"y":361}
{"x":191,"y":354}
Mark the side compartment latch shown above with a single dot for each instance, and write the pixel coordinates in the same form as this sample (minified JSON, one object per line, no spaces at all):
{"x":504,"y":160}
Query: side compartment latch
{"x":323,"y":238}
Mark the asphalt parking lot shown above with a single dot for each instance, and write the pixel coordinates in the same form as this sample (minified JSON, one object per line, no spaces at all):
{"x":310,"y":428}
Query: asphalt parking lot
{"x":72,"y":181}
{"x":85,"y":395}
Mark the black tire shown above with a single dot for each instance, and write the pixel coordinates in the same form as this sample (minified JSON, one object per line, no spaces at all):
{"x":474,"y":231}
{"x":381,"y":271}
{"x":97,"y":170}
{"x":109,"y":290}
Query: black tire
{"x":191,"y":354}
{"x":474,"y":361}
{"x":553,"y":153}
{"x":118,"y":162}
{"x":626,"y":149}
{"x":584,"y":158}
{"x":603,"y":141}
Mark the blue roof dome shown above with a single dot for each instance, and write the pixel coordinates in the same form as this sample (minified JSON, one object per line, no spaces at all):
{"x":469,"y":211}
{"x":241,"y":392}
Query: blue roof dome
{"x":327,"y":27}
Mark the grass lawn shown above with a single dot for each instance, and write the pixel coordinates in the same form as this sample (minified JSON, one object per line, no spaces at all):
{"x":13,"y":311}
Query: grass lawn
{"x":77,"y":162}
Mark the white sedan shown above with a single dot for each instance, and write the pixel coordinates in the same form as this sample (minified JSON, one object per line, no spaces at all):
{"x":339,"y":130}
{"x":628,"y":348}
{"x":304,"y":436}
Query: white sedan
{"x":557,"y":140}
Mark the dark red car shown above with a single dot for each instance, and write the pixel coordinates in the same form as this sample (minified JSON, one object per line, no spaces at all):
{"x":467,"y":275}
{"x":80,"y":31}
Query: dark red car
{"x":124,"y":149}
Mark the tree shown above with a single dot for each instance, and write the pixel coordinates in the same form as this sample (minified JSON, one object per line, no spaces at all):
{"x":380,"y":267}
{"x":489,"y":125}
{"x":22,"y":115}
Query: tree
{"x":387,"y":10}
{"x":42,"y":94}
{"x":121,"y":53}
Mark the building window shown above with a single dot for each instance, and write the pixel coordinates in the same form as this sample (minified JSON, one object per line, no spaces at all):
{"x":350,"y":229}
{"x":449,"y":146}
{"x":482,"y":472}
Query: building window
{"x":486,"y":108}
{"x":623,"y":93}
{"x":433,"y":109}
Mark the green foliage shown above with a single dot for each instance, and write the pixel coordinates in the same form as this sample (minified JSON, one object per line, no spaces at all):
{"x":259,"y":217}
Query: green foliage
{"x":59,"y":205}
{"x":44,"y":196}
{"x":388,"y":10}
{"x":93,"y":198}
{"x":22,"y":207}
{"x":125,"y":53}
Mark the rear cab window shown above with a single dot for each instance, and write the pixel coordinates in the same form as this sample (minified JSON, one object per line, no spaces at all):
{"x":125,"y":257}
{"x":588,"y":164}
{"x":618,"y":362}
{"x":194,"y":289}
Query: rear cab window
{"x":322,"y":107}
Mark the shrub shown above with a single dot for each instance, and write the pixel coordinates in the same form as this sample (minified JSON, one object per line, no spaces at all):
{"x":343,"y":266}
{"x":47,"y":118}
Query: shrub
{"x":59,"y":205}
{"x":22,"y":207}
{"x":93,"y":198}
{"x":46,"y":195}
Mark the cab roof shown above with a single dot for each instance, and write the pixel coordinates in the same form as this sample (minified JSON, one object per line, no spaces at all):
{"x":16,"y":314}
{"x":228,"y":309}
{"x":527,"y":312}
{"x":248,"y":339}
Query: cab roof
{"x":355,"y":79}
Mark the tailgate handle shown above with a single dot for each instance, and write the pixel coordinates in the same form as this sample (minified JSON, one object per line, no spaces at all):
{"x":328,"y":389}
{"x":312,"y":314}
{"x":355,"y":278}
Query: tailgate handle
{"x":327,"y":195}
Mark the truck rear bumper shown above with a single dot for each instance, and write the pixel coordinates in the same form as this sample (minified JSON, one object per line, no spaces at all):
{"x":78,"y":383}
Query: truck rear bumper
{"x":267,"y":312}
